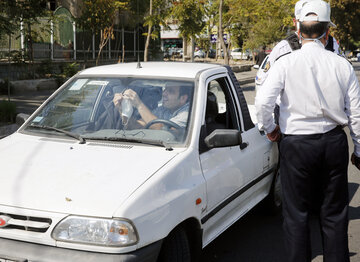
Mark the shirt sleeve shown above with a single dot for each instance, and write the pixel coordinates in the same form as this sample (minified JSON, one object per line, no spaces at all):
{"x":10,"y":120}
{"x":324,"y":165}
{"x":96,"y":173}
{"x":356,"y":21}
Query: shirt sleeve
{"x":266,"y":97}
{"x":275,"y":54}
{"x":352,"y":110}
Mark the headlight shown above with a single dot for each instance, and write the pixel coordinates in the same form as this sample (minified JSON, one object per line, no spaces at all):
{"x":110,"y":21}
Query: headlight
{"x":95,"y":231}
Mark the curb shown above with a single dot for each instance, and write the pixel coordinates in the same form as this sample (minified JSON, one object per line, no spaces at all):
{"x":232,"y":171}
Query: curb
{"x":21,"y":86}
{"x":246,"y":81}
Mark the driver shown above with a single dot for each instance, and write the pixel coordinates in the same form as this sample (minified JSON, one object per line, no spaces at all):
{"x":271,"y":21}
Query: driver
{"x":175,"y":105}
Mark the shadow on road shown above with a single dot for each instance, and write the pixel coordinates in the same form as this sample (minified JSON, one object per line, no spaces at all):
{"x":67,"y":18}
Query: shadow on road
{"x":258,"y":237}
{"x":354,"y":212}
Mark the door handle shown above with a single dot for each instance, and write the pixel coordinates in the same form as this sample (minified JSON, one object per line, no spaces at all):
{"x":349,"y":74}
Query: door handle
{"x":243,"y":145}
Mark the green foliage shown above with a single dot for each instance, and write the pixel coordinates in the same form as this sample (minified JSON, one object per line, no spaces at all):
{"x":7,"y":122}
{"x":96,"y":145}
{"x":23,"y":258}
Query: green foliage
{"x":7,"y":111}
{"x":260,"y":22}
{"x":99,"y":14}
{"x":18,"y":56}
{"x":45,"y":68}
{"x":28,"y":11}
{"x":157,"y":14}
{"x":190,"y":16}
{"x":346,"y":15}
{"x":71,"y":69}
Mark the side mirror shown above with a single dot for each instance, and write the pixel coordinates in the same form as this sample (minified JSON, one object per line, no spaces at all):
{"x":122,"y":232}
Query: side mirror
{"x":256,"y":66}
{"x":223,"y":138}
{"x":21,"y":118}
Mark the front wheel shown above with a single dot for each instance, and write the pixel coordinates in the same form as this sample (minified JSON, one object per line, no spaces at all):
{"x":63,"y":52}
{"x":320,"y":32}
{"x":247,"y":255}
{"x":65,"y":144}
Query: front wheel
{"x":176,"y":247}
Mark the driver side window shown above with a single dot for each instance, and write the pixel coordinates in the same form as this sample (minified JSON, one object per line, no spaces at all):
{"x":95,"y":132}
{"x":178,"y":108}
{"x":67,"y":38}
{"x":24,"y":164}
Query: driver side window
{"x":220,"y":113}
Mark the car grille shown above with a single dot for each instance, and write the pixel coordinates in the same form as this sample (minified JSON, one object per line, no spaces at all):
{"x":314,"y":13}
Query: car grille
{"x":26,"y":223}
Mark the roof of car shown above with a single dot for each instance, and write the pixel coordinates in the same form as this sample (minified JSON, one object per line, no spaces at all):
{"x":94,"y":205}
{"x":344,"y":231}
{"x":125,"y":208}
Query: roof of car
{"x":159,"y":69}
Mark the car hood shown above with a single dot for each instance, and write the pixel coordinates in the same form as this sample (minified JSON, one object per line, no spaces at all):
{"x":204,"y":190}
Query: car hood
{"x":67,"y":177}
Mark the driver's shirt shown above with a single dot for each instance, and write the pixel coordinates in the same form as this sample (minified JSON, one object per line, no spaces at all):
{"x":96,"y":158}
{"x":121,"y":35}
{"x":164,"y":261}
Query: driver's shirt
{"x":180,"y":116}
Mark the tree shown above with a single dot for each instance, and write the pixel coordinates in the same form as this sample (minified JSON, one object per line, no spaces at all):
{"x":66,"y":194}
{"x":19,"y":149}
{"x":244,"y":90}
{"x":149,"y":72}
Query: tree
{"x":346,"y":15}
{"x":190,"y":17}
{"x":157,"y":14}
{"x":98,"y":16}
{"x":220,"y":34}
{"x":261,"y":22}
{"x":26,"y":12}
{"x":7,"y":17}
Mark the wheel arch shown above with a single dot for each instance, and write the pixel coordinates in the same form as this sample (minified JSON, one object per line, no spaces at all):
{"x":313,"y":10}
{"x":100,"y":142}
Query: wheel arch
{"x":193,"y":230}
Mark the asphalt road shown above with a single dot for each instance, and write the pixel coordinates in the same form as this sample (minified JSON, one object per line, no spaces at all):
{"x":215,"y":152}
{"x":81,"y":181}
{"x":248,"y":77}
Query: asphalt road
{"x":258,"y":237}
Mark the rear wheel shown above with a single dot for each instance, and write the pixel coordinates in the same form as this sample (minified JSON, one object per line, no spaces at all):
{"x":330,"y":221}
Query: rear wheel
{"x":176,"y":247}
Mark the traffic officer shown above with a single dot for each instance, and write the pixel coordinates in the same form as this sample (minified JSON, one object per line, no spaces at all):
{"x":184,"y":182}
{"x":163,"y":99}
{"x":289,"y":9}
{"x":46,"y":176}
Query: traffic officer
{"x":319,"y":94}
{"x":291,"y":43}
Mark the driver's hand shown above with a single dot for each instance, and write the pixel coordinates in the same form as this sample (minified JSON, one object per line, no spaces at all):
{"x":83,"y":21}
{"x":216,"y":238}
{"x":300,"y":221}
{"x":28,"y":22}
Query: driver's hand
{"x":118,"y":97}
{"x":133,"y":97}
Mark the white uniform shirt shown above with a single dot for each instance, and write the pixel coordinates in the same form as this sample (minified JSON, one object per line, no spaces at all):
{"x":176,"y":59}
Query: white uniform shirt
{"x":284,"y":48}
{"x":318,"y":91}
{"x":279,"y":50}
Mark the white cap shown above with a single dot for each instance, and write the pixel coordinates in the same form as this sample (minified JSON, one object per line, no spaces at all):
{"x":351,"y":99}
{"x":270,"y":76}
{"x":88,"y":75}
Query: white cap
{"x":320,"y":8}
{"x":298,"y":6}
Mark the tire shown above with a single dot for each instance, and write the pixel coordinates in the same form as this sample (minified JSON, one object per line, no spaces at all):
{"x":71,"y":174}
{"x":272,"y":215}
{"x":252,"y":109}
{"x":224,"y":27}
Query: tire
{"x":176,"y":247}
{"x":273,"y":202}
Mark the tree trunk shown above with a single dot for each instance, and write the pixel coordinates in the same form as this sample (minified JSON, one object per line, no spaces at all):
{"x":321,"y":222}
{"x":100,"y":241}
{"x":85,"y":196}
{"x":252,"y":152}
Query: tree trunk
{"x":220,"y":30}
{"x":105,"y":37}
{"x":147,"y":43}
{"x":31,"y":51}
{"x":184,"y":48}
{"x":192,"y":49}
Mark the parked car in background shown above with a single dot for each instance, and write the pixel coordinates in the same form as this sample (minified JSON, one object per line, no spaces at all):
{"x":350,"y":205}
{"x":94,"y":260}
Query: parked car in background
{"x":199,"y":54}
{"x":238,"y":54}
{"x":180,"y":53}
{"x":170,"y":52}
{"x":212,"y":53}
{"x":80,"y":184}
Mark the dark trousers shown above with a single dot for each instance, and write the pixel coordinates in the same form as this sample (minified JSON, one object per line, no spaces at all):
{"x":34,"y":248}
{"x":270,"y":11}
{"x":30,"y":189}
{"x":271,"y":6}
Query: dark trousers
{"x":313,"y":171}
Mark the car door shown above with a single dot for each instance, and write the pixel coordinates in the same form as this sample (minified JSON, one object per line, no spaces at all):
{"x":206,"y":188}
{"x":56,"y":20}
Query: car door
{"x":228,"y":171}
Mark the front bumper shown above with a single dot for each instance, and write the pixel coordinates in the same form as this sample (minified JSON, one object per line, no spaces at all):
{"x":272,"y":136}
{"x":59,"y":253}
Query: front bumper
{"x":12,"y":250}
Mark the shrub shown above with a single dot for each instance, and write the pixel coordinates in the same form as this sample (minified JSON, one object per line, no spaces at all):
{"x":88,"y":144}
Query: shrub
{"x":71,"y":69}
{"x":44,"y":68}
{"x":7,"y":111}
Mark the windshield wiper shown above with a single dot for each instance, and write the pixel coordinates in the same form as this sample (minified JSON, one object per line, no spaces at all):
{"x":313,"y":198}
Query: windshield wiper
{"x":134,"y":140}
{"x":70,"y":134}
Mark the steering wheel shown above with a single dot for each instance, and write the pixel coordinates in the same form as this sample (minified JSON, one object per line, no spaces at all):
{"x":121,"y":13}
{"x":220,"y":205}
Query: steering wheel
{"x":164,"y":122}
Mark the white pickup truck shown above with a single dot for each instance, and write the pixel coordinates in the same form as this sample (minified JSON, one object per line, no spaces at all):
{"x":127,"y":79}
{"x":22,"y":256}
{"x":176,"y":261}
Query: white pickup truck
{"x":86,"y":179}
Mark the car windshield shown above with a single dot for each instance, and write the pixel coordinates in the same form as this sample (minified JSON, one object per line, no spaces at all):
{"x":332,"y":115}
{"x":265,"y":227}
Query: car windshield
{"x":151,"y":111}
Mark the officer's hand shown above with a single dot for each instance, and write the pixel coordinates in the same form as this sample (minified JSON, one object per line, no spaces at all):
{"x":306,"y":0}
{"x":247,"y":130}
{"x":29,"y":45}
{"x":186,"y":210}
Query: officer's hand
{"x":275,"y":135}
{"x":355,"y":160}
